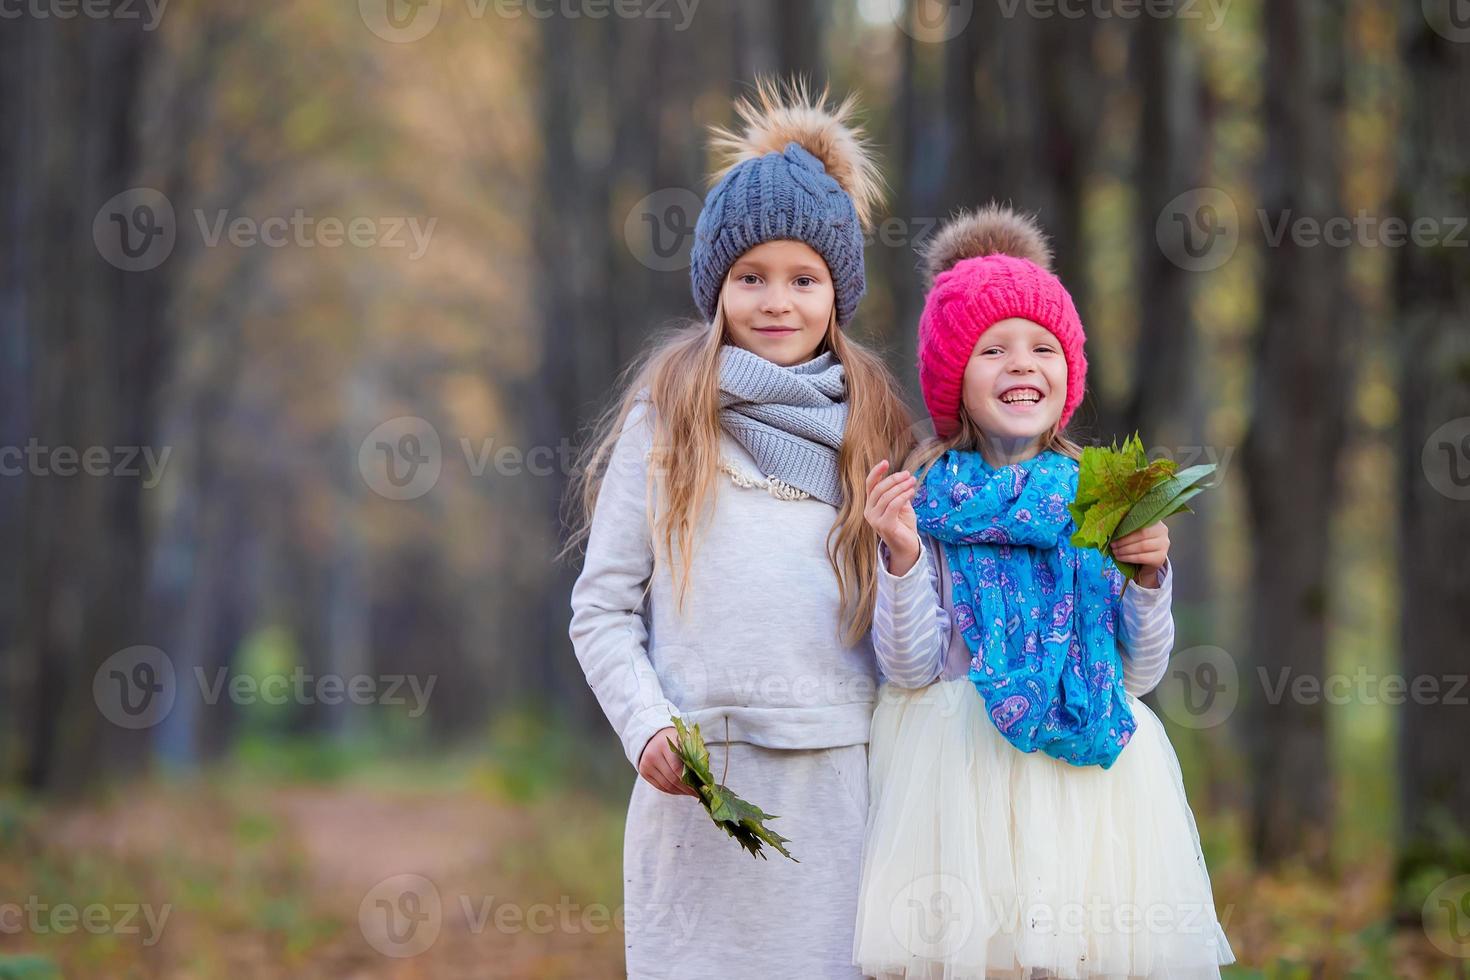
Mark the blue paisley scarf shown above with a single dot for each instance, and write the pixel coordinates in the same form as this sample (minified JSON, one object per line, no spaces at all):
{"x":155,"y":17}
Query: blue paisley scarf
{"x":1038,"y":614}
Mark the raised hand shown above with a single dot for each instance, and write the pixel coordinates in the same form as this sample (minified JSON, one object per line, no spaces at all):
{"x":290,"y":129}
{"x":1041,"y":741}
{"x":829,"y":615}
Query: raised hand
{"x":888,"y":508}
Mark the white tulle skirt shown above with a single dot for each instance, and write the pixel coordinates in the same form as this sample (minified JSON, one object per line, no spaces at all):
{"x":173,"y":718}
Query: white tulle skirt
{"x":984,"y":861}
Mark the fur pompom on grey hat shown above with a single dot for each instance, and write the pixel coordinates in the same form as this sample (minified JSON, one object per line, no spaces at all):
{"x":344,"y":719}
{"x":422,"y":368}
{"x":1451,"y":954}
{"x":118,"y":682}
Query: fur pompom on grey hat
{"x":800,"y":169}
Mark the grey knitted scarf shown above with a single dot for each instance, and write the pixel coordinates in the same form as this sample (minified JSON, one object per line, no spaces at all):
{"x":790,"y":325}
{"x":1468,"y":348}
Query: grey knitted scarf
{"x":791,"y":419}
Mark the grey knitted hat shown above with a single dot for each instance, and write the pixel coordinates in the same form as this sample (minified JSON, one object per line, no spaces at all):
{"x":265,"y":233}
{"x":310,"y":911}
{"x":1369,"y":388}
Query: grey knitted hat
{"x":799,"y":171}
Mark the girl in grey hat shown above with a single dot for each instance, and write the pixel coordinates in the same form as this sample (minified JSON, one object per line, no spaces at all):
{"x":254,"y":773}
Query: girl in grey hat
{"x":729,"y":575}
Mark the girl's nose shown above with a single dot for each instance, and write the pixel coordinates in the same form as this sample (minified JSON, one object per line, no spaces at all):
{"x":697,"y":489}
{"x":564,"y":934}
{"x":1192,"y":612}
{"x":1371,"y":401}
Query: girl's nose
{"x":776,"y":301}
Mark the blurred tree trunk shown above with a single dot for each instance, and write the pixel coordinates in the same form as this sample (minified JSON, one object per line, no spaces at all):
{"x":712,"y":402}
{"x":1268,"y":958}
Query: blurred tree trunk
{"x":656,"y":148}
{"x":1167,"y":402}
{"x":187,"y":570}
{"x":911,"y":203}
{"x":800,"y":35}
{"x":967,"y":100}
{"x":784,"y":38}
{"x":414,"y":622}
{"x":1433,"y":287}
{"x":574,"y":258}
{"x":600,"y":298}
{"x":19,"y":159}
{"x":203,"y":588}
{"x":305,"y":589}
{"x":198,"y":583}
{"x":994,"y":120}
{"x":96,"y":346}
{"x":557,"y":387}
{"x":1071,"y":103}
{"x":349,"y":591}
{"x":1299,"y":401}
{"x":1172,"y":134}
{"x":46,"y":588}
{"x":1015,"y":129}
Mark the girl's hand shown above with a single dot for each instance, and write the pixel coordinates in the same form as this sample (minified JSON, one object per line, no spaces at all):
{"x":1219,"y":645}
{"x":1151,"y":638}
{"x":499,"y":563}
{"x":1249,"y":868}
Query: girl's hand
{"x":660,"y":766}
{"x":1148,"y":548}
{"x":888,"y":509}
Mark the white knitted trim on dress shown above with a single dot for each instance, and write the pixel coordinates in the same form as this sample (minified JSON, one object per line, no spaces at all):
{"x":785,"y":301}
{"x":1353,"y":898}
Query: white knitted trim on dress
{"x":771,"y":484}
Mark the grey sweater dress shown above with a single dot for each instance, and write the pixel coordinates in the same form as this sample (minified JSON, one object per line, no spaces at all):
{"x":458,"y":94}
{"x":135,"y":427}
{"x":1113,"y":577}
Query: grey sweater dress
{"x":756,"y":647}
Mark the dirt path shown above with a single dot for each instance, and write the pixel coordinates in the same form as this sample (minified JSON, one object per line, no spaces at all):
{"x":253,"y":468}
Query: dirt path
{"x":388,"y":862}
{"x":339,"y":882}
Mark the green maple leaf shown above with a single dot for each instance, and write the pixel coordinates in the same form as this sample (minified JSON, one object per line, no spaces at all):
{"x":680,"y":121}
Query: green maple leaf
{"x":743,"y":821}
{"x":1096,"y":521}
{"x":1109,"y":482}
{"x":1101,"y":468}
{"x":1119,"y":491}
{"x":1165,"y":499}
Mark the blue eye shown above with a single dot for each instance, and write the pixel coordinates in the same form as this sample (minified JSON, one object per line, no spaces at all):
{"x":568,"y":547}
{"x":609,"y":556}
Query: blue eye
{"x":748,"y":277}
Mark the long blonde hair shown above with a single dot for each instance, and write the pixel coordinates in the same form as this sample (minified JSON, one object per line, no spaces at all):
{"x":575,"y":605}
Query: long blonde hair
{"x":680,"y":373}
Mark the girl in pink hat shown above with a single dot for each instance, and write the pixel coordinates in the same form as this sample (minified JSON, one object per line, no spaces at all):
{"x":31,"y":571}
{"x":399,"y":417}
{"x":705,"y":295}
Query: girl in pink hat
{"x":1028,"y":817}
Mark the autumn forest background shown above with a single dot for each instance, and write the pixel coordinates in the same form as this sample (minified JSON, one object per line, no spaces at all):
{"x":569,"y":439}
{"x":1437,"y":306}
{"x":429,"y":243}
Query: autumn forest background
{"x":305,"y":308}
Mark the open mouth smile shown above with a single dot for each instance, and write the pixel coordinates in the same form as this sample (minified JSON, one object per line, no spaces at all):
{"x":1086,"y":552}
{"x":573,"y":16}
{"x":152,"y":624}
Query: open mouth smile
{"x":1021,"y":398}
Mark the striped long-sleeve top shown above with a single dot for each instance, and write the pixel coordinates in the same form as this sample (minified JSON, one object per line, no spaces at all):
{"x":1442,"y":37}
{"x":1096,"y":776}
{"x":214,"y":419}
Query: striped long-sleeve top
{"x":916,"y":646}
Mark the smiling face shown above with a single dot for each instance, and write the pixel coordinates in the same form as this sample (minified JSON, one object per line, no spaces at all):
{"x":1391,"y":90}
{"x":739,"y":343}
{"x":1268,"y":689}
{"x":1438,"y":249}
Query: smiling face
{"x":778,"y":300}
{"x":1014,"y":388}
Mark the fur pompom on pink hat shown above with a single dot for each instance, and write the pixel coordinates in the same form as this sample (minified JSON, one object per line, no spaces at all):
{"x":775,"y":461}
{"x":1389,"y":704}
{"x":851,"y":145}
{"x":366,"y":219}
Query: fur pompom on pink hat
{"x":985,"y":267}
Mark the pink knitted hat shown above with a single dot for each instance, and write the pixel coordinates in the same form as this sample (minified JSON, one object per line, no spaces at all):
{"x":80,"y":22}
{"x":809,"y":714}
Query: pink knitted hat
{"x":986,"y":267}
